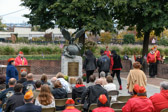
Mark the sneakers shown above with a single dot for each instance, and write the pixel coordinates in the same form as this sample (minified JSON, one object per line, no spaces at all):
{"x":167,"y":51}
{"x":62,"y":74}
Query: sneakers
{"x":120,"y":87}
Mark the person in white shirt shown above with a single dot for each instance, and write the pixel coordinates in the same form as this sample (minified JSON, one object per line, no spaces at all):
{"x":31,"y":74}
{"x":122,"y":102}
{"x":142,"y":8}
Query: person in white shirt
{"x":110,"y":86}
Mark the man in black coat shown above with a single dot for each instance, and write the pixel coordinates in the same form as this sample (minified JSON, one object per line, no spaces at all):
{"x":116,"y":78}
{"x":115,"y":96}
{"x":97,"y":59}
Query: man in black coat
{"x":103,"y":63}
{"x":29,"y":84}
{"x":29,"y":106}
{"x":92,"y":93}
{"x":16,"y":100}
{"x":23,"y":77}
{"x":3,"y":95}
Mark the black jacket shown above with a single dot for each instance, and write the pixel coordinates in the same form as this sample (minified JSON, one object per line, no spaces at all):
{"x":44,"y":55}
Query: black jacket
{"x":103,"y":63}
{"x":29,"y":107}
{"x":92,"y":93}
{"x":117,"y":61}
{"x":77,"y":92}
{"x":14,"y":101}
{"x":59,"y":93}
{"x":22,"y":80}
{"x":90,"y":63}
{"x":25,"y":84}
{"x":139,"y":60}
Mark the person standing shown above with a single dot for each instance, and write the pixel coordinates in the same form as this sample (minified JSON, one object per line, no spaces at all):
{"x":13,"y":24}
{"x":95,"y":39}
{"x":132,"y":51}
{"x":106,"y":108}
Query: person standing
{"x":11,"y":71}
{"x":89,"y":64}
{"x":103,"y":63}
{"x":20,"y":60}
{"x":107,"y":52}
{"x":158,"y":57}
{"x":151,"y":60}
{"x":116,"y":66}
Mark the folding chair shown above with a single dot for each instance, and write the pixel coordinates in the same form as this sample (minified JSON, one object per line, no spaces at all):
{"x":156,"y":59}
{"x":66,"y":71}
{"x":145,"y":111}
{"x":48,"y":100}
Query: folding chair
{"x":92,"y":106}
{"x":79,"y":107}
{"x":48,"y":109}
{"x":69,"y":95}
{"x":117,"y":105}
{"x":78,"y":101}
{"x":114,"y":94}
{"x":164,"y":110}
{"x":123,"y":98}
{"x":60,"y":102}
{"x":117,"y":110}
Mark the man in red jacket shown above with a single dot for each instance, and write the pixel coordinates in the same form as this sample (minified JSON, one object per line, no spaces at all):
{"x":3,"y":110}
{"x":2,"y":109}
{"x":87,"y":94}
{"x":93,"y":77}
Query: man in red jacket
{"x":70,"y":106}
{"x":151,"y":60}
{"x":20,"y":60}
{"x":103,"y":104}
{"x":160,"y":100}
{"x":140,"y":103}
{"x":158,"y":58}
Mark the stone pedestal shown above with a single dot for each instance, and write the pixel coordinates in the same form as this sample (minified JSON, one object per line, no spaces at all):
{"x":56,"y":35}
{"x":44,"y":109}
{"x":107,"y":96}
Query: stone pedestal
{"x":71,"y":66}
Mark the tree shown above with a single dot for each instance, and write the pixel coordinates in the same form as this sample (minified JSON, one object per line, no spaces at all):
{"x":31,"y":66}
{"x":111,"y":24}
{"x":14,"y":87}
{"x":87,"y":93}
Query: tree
{"x":2,"y":26}
{"x":146,"y":15}
{"x":93,"y":15}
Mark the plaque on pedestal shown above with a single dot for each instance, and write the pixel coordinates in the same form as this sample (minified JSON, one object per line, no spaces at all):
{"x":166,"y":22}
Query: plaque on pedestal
{"x":22,"y":68}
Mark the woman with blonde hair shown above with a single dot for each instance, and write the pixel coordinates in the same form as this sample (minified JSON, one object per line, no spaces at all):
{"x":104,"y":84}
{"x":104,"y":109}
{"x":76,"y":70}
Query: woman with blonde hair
{"x":136,"y":76}
{"x":45,"y":99}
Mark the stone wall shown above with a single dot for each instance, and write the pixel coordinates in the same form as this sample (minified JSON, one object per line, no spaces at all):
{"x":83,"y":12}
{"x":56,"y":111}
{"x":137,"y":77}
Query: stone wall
{"x":54,"y":66}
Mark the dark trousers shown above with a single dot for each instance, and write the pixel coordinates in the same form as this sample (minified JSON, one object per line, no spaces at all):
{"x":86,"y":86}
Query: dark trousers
{"x":88,"y":74}
{"x":117,"y":72}
{"x":152,"y":69}
{"x":157,"y":62}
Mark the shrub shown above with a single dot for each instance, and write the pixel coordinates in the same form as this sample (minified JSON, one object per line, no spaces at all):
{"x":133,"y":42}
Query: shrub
{"x":25,"y":50}
{"x":166,"y":52}
{"x":57,"y":50}
{"x":105,"y":37}
{"x":33,"y":50}
{"x":40,"y":50}
{"x":163,"y":41}
{"x":129,"y":39}
{"x":22,"y":39}
{"x":8,"y":50}
{"x":90,"y":45}
{"x":115,"y":48}
{"x":47,"y":50}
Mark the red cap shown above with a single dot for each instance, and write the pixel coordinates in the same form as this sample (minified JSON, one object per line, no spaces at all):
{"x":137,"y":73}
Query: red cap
{"x":70,"y":101}
{"x":11,"y":59}
{"x":103,"y":98}
{"x":136,"y":88}
{"x":142,"y":89}
{"x":20,"y":52}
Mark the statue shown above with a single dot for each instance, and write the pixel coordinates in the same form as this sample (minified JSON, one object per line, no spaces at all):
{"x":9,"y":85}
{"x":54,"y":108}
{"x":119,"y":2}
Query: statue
{"x":72,"y":49}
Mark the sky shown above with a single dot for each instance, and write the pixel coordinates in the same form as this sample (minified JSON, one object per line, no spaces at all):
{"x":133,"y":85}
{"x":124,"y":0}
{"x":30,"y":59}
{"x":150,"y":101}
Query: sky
{"x":9,"y":6}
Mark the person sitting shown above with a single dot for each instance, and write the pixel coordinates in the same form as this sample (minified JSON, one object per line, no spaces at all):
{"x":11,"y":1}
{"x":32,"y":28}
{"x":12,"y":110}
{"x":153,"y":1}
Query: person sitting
{"x":44,"y":79}
{"x":140,"y":103}
{"x":4,"y":94}
{"x":38,"y":88}
{"x":103,"y":104}
{"x":15,"y":100}
{"x":110,"y":86}
{"x":29,"y":84}
{"x":92,"y":93}
{"x":103,"y":78}
{"x":45,"y":99}
{"x":65,"y":84}
{"x":160,"y":100}
{"x":28,"y":106}
{"x":2,"y":81}
{"x":70,"y":106}
{"x":53,"y":79}
{"x":92,"y":79}
{"x":23,"y":77}
{"x":58,"y":92}
{"x":135,"y":91}
{"x":78,"y":89}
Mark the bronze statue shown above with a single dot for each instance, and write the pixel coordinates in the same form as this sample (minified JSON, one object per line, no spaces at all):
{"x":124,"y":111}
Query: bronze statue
{"x":72,"y":49}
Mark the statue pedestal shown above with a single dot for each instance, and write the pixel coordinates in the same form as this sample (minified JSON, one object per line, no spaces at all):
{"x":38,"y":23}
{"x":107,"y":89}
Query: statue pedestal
{"x":71,"y":66}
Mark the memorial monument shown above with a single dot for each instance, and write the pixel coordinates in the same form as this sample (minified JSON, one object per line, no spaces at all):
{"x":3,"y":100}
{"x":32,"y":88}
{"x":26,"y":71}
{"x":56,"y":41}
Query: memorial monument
{"x":71,"y":62}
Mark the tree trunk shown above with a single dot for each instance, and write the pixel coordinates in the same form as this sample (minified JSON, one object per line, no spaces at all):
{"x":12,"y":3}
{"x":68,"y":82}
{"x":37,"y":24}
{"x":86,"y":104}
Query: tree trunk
{"x":82,"y":41}
{"x":145,"y":44}
{"x":145,"y":50}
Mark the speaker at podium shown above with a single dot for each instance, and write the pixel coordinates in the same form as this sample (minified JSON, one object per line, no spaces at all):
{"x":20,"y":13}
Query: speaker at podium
{"x":22,"y":68}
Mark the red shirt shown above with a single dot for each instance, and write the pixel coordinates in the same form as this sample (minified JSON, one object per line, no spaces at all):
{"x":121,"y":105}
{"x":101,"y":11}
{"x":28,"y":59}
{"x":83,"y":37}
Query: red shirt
{"x":71,"y":109}
{"x":103,"y":109}
{"x":160,"y":100}
{"x":138,"y":104}
{"x":19,"y":61}
{"x":151,"y":58}
{"x":157,"y":55}
{"x":108,"y":53}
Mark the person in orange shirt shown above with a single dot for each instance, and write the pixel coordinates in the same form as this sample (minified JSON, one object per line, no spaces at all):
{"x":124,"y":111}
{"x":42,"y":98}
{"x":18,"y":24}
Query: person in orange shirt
{"x":107,"y":52}
{"x":151,"y":60}
{"x":20,"y":60}
{"x":158,"y":58}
